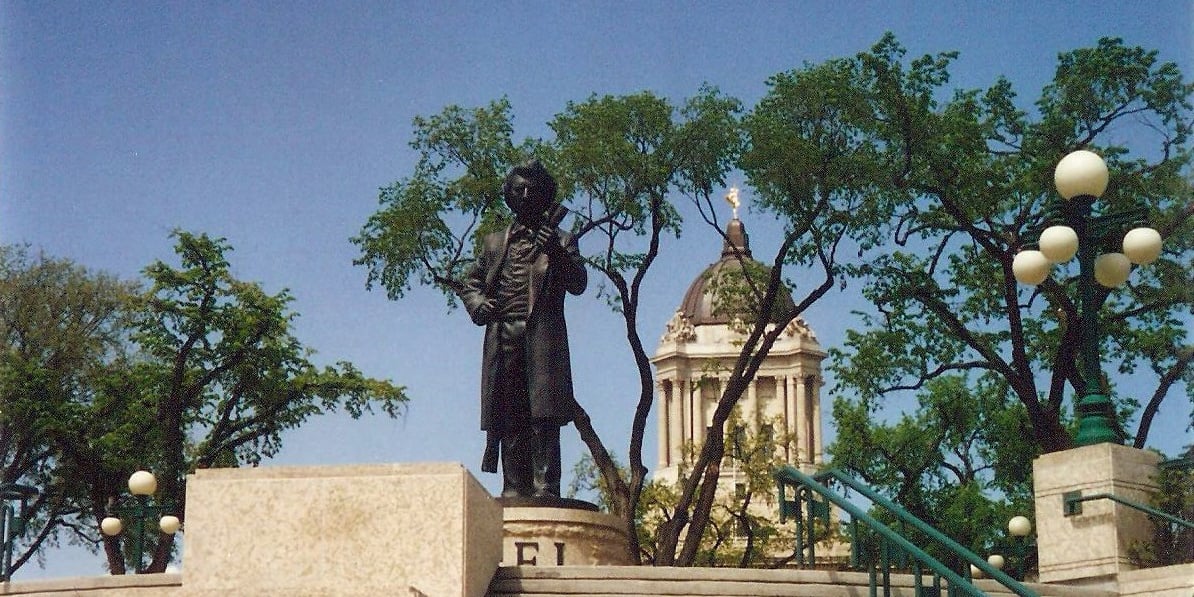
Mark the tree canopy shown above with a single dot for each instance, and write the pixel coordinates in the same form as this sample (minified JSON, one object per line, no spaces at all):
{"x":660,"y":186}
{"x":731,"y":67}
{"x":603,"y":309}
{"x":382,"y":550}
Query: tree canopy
{"x":987,"y":362}
{"x":885,"y":179}
{"x":101,"y":379}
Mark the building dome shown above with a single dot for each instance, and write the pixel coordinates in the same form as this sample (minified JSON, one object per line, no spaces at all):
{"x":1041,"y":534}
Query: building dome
{"x":699,"y":305}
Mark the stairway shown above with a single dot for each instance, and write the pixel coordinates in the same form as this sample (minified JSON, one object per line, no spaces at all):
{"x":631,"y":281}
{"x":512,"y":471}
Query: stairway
{"x":651,"y":581}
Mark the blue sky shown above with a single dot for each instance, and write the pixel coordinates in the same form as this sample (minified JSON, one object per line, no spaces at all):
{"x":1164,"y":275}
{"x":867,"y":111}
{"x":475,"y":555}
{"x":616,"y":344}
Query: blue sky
{"x":273,"y":124}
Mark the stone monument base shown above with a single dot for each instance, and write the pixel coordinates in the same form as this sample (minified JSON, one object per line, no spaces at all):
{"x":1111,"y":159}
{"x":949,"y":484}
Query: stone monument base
{"x":560,"y":532}
{"x":389,"y":529}
{"x":1091,"y":547}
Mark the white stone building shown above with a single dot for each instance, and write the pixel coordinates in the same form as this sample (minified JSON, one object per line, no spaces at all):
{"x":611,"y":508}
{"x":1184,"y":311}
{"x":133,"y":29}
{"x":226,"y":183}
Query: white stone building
{"x":694,"y":359}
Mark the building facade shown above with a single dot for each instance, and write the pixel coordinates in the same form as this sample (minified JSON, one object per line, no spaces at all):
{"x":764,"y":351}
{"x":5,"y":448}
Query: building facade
{"x":697,"y":352}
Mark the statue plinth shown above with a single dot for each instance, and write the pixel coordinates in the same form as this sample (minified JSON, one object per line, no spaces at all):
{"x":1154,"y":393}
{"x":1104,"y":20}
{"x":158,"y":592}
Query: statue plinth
{"x":560,"y":532}
{"x":377,"y":529}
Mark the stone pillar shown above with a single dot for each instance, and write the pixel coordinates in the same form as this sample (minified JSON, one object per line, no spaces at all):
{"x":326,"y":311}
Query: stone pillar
{"x":802,"y":424}
{"x":1091,"y":547}
{"x":676,"y":434}
{"x":661,"y":423}
{"x":781,"y":396}
{"x":698,"y":415}
{"x":752,"y":412}
{"x":814,"y":398}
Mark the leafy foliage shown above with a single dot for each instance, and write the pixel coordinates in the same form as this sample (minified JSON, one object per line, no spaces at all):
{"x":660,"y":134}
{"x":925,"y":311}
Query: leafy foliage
{"x":967,"y":178}
{"x":422,"y":232}
{"x":617,"y":160}
{"x":1170,"y":544}
{"x":66,"y":428}
{"x":743,"y":530}
{"x":223,"y":375}
{"x":934,"y":189}
{"x":100,"y":379}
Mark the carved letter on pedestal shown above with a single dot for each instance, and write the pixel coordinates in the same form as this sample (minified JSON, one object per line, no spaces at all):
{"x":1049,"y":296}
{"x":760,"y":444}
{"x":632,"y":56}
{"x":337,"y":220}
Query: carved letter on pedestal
{"x":522,"y":559}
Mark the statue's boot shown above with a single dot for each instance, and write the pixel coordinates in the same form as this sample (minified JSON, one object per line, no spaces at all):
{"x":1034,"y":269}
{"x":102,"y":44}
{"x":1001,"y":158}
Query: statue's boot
{"x":517,"y":447}
{"x":546,"y":460}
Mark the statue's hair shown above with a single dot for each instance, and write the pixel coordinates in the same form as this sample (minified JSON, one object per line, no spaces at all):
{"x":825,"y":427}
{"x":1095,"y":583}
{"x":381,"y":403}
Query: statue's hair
{"x":533,"y":171}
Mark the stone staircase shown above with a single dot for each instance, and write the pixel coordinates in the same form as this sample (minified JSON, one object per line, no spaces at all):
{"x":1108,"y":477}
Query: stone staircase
{"x":650,"y":581}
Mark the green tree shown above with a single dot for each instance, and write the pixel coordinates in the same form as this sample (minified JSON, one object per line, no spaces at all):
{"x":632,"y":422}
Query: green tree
{"x":743,"y":530}
{"x":221,"y":376}
{"x":64,"y":428}
{"x":1171,"y":543}
{"x":618,"y":161}
{"x":968,"y":177}
{"x":810,"y":165}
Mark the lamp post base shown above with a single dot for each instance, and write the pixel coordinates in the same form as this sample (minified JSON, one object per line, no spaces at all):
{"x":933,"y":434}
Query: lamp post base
{"x":1096,"y":421}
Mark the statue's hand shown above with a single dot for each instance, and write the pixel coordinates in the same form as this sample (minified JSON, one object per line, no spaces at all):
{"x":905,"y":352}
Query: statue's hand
{"x":547,"y":240}
{"x":484,"y":312}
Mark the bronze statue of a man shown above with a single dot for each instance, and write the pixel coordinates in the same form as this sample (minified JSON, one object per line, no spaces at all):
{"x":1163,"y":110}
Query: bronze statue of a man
{"x":515,"y":288}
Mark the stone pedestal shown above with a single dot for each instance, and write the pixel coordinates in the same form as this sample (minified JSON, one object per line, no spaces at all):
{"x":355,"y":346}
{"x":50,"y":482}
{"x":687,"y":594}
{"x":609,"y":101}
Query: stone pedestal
{"x":561,"y":534}
{"x":1091,"y":547}
{"x":398,"y":529}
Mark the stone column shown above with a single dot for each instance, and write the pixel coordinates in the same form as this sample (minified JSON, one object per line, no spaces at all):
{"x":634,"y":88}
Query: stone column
{"x":802,"y":427}
{"x":814,"y":398}
{"x":1091,"y":547}
{"x":781,"y":395}
{"x":679,"y":396}
{"x":661,"y":425}
{"x":751,"y":412}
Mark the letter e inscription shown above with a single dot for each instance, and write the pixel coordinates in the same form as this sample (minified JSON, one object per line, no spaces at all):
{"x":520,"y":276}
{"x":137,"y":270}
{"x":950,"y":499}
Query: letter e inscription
{"x":531,"y":558}
{"x":521,"y":559}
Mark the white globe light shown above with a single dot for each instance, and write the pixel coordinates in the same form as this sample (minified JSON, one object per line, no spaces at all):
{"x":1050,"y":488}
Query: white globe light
{"x":1112,"y":269}
{"x":1031,"y":267}
{"x":1019,"y":526}
{"x":1059,"y":243}
{"x":996,"y":561}
{"x":1142,"y":245}
{"x":1081,"y":173}
{"x":169,"y":524}
{"x":143,"y":483}
{"x":111,"y":526}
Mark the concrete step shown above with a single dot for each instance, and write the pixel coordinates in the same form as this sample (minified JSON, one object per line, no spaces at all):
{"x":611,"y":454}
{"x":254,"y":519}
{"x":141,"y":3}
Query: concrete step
{"x":650,"y":581}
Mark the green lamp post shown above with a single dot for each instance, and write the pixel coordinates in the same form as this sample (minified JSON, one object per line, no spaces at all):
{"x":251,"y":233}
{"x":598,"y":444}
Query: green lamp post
{"x":12,"y":522}
{"x":1081,"y":177}
{"x":142,"y":484}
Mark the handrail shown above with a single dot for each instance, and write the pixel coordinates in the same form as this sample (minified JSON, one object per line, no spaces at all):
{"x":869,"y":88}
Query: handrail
{"x":788,"y":474}
{"x":924,"y":527}
{"x":1072,"y":501}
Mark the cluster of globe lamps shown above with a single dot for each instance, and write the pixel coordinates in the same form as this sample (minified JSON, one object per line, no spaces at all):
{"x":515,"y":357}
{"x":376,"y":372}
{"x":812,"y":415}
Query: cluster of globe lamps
{"x":142,"y":484}
{"x":1084,"y":174}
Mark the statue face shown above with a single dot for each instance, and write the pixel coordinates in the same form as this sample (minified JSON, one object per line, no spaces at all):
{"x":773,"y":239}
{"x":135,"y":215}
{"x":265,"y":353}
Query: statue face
{"x":527,"y":198}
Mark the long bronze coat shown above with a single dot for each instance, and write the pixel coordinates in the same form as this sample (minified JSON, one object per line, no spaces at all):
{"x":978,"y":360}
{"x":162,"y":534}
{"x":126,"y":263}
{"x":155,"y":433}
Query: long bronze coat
{"x":549,"y":370}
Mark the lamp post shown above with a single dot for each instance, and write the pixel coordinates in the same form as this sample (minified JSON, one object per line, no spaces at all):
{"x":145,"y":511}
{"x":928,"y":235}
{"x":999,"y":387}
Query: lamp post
{"x":1021,"y":545}
{"x":1081,"y":177}
{"x":12,"y":525}
{"x":142,"y":484}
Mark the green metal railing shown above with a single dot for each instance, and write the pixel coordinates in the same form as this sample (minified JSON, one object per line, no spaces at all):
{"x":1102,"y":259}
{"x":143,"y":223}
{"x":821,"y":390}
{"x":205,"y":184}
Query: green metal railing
{"x":894,"y":549}
{"x":1072,"y":505}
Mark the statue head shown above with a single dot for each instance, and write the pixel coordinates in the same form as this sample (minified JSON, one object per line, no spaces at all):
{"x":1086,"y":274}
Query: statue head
{"x":529,"y":191}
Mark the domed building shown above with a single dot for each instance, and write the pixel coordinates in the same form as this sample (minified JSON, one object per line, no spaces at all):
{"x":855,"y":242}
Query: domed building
{"x":698,"y":350}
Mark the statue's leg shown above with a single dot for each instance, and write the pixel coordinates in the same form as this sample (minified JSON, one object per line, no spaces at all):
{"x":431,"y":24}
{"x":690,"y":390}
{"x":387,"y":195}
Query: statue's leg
{"x":547,"y":459}
{"x":517,"y":446}
{"x":514,"y":408}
